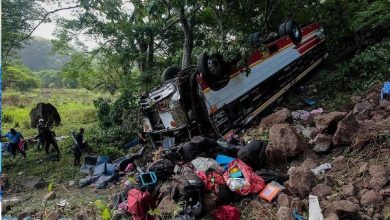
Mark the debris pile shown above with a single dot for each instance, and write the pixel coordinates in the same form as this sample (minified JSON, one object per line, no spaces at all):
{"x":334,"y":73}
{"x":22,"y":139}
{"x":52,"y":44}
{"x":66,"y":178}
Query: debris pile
{"x":304,"y":164}
{"x":204,"y":177}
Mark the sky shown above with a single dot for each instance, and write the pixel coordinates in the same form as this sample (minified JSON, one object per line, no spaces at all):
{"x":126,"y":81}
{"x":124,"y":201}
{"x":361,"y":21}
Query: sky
{"x":46,"y":30}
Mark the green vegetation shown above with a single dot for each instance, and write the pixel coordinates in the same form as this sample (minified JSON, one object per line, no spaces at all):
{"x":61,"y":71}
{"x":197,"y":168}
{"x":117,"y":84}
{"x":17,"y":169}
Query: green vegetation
{"x":19,"y":77}
{"x":37,"y":54}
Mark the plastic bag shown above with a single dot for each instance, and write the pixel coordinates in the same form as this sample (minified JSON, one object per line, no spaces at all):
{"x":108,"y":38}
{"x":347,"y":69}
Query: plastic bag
{"x":204,"y":164}
{"x":251,"y":183}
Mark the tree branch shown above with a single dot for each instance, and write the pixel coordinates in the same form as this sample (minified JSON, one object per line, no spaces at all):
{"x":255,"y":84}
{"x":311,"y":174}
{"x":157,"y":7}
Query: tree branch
{"x":28,"y":35}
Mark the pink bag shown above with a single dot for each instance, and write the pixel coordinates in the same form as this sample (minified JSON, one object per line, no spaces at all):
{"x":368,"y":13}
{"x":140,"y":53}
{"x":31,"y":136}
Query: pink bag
{"x":138,"y":204}
{"x":250,"y":183}
{"x":227,"y":212}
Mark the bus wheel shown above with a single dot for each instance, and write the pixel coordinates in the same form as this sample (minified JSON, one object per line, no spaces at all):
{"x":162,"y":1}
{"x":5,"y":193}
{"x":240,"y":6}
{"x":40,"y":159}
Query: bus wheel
{"x":215,"y":71}
{"x":292,"y":29}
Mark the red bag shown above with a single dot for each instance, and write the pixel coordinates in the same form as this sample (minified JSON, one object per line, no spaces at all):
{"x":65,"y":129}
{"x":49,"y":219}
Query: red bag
{"x":138,"y":204}
{"x":211,"y":180}
{"x":227,"y":212}
{"x":254,"y":182}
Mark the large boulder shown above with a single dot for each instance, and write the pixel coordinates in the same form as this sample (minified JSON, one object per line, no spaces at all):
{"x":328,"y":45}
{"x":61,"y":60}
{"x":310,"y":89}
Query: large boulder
{"x":46,"y":111}
{"x":301,"y":180}
{"x":285,"y":143}
{"x":278,"y":117}
{"x":328,"y":122}
{"x":346,"y":128}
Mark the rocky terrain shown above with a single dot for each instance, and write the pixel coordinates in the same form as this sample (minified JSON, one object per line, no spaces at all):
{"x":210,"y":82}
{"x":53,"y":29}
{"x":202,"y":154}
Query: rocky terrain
{"x":357,"y":145}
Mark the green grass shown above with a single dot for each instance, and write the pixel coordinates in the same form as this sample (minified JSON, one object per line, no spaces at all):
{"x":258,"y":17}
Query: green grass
{"x":76,"y":109}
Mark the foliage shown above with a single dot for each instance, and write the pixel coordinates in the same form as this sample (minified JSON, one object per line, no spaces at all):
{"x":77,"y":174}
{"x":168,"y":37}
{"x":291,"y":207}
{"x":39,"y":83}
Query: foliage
{"x":54,"y":79}
{"x":118,"y":120}
{"x":17,"y":23}
{"x":366,"y":69}
{"x":37,"y":53}
{"x":19,"y":77}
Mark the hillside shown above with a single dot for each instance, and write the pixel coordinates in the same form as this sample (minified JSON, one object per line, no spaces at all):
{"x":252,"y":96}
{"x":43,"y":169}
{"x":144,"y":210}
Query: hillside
{"x":38,"y":55}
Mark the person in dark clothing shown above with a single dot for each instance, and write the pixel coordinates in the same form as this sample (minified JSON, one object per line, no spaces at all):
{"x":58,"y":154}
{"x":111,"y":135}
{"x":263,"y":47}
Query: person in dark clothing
{"x":80,"y":147}
{"x":48,"y":137}
{"x":15,"y":139}
{"x":41,"y":128}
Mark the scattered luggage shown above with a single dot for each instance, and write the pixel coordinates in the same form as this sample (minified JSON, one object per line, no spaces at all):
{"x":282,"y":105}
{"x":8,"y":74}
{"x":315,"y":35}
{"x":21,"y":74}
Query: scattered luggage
{"x":248,"y":183}
{"x":253,"y":154}
{"x":188,"y":189}
{"x":139,"y":203}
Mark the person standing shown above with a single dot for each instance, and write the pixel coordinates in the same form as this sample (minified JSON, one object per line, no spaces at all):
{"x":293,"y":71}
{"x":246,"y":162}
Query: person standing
{"x":81,"y":146}
{"x":15,"y":138}
{"x":41,"y":129}
{"x":48,"y":139}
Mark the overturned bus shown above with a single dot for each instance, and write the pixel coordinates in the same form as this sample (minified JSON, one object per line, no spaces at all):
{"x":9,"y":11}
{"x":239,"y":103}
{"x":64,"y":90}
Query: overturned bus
{"x":216,"y":99}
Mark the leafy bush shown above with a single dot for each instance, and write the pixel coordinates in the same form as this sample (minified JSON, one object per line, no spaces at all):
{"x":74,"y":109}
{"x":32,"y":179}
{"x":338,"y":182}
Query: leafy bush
{"x":112,"y":152}
{"x":118,"y":120}
{"x":364,"y":70}
{"x":19,"y":77}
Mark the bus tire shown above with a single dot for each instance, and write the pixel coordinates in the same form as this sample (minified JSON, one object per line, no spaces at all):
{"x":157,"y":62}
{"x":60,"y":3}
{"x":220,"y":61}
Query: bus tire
{"x":214,"y":70}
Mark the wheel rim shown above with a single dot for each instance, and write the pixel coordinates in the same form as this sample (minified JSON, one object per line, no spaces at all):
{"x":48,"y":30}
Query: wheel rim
{"x":296,"y":32}
{"x":214,"y":66}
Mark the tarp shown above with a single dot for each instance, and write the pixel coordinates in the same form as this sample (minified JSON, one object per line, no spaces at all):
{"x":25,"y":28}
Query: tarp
{"x":99,"y":174}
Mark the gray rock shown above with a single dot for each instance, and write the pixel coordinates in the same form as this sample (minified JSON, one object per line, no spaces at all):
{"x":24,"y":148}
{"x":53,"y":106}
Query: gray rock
{"x":284,"y":213}
{"x":371,"y":196}
{"x":331,"y":216}
{"x":283,"y":200}
{"x":346,"y":128}
{"x":362,"y":109}
{"x":72,"y":183}
{"x":322,"y":143}
{"x":49,"y":196}
{"x":278,"y":117}
{"x":376,"y":169}
{"x":345,"y":208}
{"x":285,"y":143}
{"x":379,"y":180}
{"x":322,"y":190}
{"x":348,"y":190}
{"x":363,"y":168}
{"x":309,"y":132}
{"x":301,"y":180}
{"x":324,"y":121}
{"x":309,"y":163}
{"x":385,"y":192}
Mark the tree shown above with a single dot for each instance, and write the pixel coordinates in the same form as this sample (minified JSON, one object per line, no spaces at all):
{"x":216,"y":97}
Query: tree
{"x":20,"y":19}
{"x":19,"y":77}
